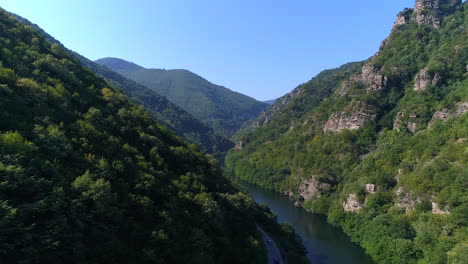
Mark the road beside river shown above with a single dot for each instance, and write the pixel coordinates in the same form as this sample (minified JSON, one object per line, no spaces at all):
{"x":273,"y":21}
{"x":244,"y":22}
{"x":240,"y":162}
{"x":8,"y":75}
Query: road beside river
{"x":273,"y":251}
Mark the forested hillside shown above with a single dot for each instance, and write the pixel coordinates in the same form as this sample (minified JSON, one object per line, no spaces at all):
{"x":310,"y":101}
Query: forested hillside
{"x":222,"y":109}
{"x":164,"y":111}
{"x":88,"y":176}
{"x":379,"y":146}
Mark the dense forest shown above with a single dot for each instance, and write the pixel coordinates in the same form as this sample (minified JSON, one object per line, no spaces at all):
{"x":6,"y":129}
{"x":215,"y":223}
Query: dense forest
{"x":89,"y":176}
{"x":379,"y":146}
{"x":222,"y":109}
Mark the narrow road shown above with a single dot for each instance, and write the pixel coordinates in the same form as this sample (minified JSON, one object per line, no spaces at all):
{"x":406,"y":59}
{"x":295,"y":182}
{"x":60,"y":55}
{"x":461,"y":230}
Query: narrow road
{"x":273,"y":253}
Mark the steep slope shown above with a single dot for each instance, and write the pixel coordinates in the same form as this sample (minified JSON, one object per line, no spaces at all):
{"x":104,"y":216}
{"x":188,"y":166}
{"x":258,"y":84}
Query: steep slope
{"x":87,"y":176}
{"x":379,"y":146}
{"x":165,"y":112}
{"x":221,"y":108}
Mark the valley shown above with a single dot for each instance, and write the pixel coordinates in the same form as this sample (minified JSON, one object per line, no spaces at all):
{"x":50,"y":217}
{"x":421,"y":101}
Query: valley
{"x":108,"y":161}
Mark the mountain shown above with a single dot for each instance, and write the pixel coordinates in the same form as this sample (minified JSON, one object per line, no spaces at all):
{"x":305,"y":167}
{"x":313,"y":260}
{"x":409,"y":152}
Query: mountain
{"x":88,"y":176}
{"x":222,"y":109}
{"x":119,"y":65}
{"x":270,"y":102}
{"x":378,"y":146}
{"x":165,"y":112}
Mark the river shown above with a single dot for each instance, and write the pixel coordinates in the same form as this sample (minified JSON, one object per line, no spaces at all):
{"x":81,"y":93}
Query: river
{"x":325,"y":244}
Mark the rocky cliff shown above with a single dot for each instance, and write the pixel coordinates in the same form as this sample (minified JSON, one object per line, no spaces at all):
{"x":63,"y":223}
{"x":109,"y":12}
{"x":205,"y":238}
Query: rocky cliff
{"x":428,"y":12}
{"x":388,"y":133}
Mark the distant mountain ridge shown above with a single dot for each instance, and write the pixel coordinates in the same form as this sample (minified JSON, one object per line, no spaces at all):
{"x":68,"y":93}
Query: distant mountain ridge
{"x":120,"y":65}
{"x":224,"y":110}
{"x":165,"y":112}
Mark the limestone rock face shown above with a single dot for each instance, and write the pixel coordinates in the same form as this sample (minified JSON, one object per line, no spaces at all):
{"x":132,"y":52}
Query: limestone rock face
{"x":312,"y":187}
{"x":401,"y":20}
{"x":398,"y":121}
{"x":412,"y":126}
{"x":352,"y":204}
{"x":424,"y":78}
{"x":239,"y":145}
{"x":437,"y":210}
{"x":371,"y":188}
{"x":404,"y":199}
{"x":410,"y":121}
{"x":446,"y":114}
{"x":403,"y":17}
{"x":430,"y":12}
{"x":341,"y":121}
{"x":371,"y":78}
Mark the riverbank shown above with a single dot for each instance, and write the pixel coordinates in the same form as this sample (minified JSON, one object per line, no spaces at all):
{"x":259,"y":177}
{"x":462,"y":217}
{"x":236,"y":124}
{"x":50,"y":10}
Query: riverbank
{"x":324,"y":243}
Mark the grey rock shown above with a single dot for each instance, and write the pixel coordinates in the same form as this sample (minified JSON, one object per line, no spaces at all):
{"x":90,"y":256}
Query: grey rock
{"x":446,"y":114}
{"x":425,"y":78}
{"x":352,"y":204}
{"x":371,"y":78}
{"x":341,"y":121}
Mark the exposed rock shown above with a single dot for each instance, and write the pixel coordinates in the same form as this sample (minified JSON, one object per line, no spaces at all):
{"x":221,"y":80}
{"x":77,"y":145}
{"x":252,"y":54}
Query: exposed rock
{"x":371,"y":188}
{"x":341,"y":121}
{"x":403,"y":17}
{"x":398,"y":121}
{"x":397,"y":177}
{"x":371,"y":78}
{"x":409,"y":121}
{"x":239,"y":145}
{"x":436,"y":209}
{"x":446,"y":114}
{"x":403,"y":199}
{"x":425,"y":78}
{"x":401,"y":20}
{"x":352,"y":204}
{"x":430,"y":12}
{"x":412,"y":126}
{"x":312,"y":187}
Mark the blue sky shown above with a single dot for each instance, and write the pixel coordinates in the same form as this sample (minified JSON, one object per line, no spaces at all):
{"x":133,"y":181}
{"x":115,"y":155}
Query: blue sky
{"x":257,"y":47}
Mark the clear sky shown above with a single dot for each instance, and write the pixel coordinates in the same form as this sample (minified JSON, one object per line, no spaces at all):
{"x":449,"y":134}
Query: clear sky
{"x":262,"y":48}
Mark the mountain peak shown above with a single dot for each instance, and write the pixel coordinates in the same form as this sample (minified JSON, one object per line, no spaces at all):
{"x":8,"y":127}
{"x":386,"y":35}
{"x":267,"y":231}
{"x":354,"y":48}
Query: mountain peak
{"x":119,"y":64}
{"x":428,"y":12}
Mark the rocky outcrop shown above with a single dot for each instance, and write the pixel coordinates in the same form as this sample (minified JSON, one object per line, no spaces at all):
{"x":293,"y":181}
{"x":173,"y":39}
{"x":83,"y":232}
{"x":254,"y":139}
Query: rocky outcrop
{"x":425,"y":78}
{"x":239,"y":145}
{"x":312,"y":187}
{"x":398,"y":121}
{"x":412,"y":126}
{"x":371,"y":78}
{"x":446,"y":114}
{"x":352,"y":204}
{"x":371,"y":188}
{"x":406,"y":120}
{"x":431,"y":12}
{"x":403,"y":17}
{"x":341,"y":121}
{"x":404,"y":199}
{"x":437,"y":210}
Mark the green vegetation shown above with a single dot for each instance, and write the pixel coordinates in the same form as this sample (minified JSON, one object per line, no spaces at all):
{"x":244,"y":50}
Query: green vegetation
{"x":222,"y":109}
{"x":414,"y":172}
{"x":88,"y":176}
{"x":164,"y":111}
